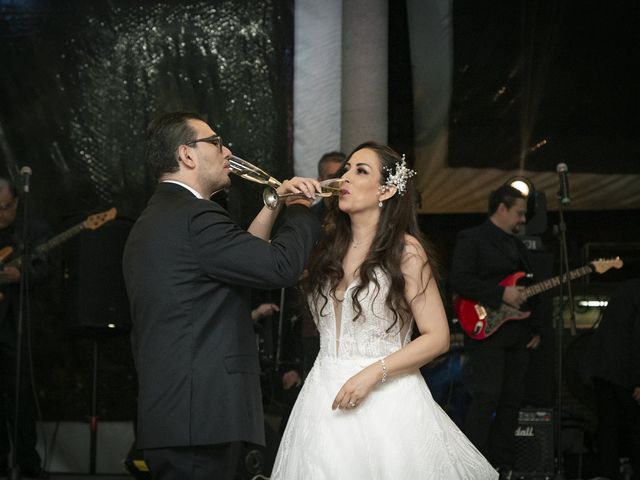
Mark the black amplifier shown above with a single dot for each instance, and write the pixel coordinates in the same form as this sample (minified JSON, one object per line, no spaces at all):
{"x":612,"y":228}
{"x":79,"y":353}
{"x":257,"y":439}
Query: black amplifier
{"x":533,"y":439}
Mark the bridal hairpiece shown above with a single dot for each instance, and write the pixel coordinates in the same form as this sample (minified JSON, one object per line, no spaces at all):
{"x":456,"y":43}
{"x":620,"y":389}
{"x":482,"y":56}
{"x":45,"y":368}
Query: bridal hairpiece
{"x":400,"y":176}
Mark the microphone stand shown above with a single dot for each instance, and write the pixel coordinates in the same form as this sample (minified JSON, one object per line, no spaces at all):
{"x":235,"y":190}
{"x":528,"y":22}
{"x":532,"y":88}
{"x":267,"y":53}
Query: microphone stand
{"x":14,"y":469}
{"x":559,"y":325}
{"x":93,"y":421}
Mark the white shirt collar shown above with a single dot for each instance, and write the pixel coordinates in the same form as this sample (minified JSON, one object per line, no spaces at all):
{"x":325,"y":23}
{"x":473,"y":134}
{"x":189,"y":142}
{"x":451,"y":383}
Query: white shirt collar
{"x":185,"y":186}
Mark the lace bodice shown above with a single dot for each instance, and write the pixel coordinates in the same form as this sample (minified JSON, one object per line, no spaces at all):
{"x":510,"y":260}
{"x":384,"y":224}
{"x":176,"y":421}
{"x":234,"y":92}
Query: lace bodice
{"x":366,"y":337}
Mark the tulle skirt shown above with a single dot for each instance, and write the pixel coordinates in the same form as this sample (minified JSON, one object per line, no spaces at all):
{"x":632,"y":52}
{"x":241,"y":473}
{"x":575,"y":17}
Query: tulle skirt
{"x":397,"y":433}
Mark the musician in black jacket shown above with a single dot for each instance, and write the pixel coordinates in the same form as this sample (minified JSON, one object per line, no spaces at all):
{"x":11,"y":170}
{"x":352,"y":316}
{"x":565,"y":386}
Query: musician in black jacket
{"x":11,"y":232}
{"x":483,"y":257}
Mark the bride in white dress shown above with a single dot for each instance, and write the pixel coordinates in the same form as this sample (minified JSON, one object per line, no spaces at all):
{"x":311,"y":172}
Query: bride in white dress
{"x":365,"y":412}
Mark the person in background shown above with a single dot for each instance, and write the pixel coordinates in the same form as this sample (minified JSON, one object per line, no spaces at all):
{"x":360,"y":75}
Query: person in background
{"x":328,"y":166}
{"x":483,"y":257}
{"x":188,"y":271}
{"x":300,"y":336}
{"x":11,"y":271}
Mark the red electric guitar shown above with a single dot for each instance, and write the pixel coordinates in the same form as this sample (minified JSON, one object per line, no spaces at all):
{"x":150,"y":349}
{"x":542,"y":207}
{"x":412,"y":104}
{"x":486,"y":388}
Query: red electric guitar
{"x":480,"y":322}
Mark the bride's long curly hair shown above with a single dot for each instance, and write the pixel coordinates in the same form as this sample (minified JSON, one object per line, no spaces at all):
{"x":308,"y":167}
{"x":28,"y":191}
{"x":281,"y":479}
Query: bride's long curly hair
{"x":397,"y":218}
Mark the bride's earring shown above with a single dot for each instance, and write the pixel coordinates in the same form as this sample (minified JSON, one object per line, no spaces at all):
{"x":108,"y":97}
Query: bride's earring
{"x":382,"y":189}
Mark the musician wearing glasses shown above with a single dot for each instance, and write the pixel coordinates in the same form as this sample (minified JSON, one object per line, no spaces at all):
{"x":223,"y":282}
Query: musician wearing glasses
{"x":11,"y":271}
{"x":484,"y":255}
{"x":188,"y":270}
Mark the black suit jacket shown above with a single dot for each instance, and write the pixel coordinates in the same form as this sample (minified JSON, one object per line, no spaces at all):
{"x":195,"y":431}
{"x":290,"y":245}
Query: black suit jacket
{"x":188,"y":269}
{"x":482,"y":259}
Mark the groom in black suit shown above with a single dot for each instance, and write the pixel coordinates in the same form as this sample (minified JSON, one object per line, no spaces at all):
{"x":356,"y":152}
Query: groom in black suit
{"x":188,"y":270}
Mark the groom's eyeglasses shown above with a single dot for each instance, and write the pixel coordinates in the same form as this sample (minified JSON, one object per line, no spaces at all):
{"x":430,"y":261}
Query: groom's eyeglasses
{"x":213,"y":140}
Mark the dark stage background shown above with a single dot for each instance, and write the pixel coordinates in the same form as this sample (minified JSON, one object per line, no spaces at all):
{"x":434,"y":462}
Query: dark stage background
{"x":546,"y":82}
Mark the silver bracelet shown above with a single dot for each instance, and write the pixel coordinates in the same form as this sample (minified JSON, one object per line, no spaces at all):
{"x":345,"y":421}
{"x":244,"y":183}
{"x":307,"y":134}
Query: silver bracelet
{"x":384,"y":371}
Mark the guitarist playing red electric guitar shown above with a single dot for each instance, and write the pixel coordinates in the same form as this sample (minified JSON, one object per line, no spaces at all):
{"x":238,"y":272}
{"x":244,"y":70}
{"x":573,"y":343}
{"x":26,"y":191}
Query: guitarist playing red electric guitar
{"x":479,"y":321}
{"x":483,"y":257}
{"x":488,"y":261}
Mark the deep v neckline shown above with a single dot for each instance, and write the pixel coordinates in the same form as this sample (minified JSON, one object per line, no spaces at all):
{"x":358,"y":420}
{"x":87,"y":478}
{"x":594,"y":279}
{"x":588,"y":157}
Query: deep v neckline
{"x":337,"y":305}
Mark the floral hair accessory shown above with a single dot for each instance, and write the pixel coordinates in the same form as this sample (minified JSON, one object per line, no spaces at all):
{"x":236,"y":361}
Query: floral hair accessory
{"x":399,"y":177}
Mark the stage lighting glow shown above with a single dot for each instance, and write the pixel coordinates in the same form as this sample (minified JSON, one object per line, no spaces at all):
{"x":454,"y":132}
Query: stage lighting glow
{"x":522,"y":186}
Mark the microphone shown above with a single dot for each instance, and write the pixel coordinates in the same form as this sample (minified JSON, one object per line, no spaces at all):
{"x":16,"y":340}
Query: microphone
{"x":25,"y":172}
{"x":563,"y":193}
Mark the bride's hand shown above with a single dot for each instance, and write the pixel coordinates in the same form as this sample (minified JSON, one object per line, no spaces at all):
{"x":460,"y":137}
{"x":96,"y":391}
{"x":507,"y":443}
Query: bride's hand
{"x":356,"y":389}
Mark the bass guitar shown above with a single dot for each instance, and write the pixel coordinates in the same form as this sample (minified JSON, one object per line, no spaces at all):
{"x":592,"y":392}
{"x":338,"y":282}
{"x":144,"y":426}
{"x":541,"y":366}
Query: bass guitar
{"x":479,"y":321}
{"x":92,"y":222}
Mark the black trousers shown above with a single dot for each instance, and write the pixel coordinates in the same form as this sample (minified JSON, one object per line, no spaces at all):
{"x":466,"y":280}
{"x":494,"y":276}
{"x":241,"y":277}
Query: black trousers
{"x":495,"y":376}
{"x":194,"y":463}
{"x":26,"y":455}
{"x":618,"y":433}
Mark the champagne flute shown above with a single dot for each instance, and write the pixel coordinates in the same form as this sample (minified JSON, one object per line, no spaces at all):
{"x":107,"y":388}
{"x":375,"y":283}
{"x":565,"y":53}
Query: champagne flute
{"x":270,"y":197}
{"x":329,"y":188}
{"x":250,"y":172}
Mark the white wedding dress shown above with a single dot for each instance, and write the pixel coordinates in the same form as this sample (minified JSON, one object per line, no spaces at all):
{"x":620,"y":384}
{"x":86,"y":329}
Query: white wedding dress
{"x":397,"y":433}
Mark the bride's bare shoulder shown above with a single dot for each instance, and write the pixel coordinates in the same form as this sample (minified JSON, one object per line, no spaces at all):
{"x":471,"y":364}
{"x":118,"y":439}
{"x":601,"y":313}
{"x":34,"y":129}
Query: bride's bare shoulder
{"x":413,"y":248}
